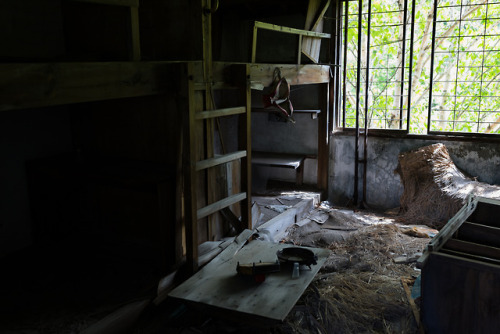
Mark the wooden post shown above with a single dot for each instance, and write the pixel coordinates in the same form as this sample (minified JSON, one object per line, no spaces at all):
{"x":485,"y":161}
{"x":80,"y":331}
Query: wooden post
{"x":189,"y":158}
{"x":135,"y":33}
{"x":254,"y":43}
{"x":209,"y":105}
{"x":245,"y":143}
{"x":323,"y":156}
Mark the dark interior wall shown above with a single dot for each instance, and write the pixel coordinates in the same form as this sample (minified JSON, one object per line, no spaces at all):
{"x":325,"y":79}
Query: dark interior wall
{"x":25,"y":135}
{"x":170,"y":30}
{"x":31,"y":30}
{"x":45,"y":151}
{"x":233,"y":31}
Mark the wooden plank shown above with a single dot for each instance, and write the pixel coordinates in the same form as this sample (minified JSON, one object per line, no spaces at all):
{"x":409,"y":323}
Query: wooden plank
{"x":121,"y":320}
{"x":189,"y":158}
{"x":204,"y":164}
{"x":275,"y":228}
{"x":213,"y":188}
{"x":312,"y":9}
{"x":472,"y":248}
{"x":311,"y":46}
{"x":218,"y":285}
{"x":34,"y":85}
{"x":135,"y":34}
{"x":481,"y":234}
{"x":262,"y":74}
{"x":223,"y":203}
{"x":274,"y":27}
{"x":220,"y":112}
{"x":459,"y":296}
{"x":254,"y":43}
{"x":245,"y":143}
{"x":294,"y":74}
{"x":127,"y":3}
{"x":277,"y":159}
{"x":323,"y":136}
{"x":413,"y":306}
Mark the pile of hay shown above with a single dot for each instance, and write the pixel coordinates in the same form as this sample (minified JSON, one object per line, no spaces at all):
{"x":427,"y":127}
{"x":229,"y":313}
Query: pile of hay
{"x":434,"y":188}
{"x":359,"y":289}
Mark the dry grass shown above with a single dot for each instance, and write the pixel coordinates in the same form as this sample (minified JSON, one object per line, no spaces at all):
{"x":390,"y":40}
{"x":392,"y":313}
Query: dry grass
{"x":364,"y":294}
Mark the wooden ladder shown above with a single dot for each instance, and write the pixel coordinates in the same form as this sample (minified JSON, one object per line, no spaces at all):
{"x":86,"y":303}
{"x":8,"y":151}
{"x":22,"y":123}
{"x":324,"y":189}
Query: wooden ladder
{"x":240,"y":74}
{"x":192,"y":166}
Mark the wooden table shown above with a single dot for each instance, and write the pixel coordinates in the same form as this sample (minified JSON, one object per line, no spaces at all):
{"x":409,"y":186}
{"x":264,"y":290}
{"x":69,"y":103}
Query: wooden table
{"x":218,"y":289}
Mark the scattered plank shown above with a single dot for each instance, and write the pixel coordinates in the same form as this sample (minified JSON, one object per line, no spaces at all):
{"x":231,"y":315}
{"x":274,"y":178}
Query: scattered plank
{"x":219,"y":287}
{"x":120,"y":321}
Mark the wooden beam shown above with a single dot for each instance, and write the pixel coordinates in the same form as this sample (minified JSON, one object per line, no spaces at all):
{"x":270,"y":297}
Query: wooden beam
{"x":323,"y":147}
{"x":204,"y":164}
{"x":472,"y":248}
{"x":254,"y":43}
{"x":189,"y":160}
{"x":274,"y":27}
{"x":135,"y":34}
{"x":223,"y":203}
{"x":486,"y":235}
{"x":263,"y":74}
{"x":294,"y":74}
{"x":311,"y":45}
{"x":245,"y":143}
{"x":35,"y":85}
{"x":220,"y":112}
{"x":126,"y":3}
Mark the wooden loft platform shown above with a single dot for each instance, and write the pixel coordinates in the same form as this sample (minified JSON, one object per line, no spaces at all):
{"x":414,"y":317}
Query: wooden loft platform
{"x":36,"y":85}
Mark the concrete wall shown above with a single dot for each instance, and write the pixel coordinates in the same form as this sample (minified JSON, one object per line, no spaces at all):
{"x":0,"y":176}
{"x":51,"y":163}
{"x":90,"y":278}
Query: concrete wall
{"x":384,"y":187}
{"x":271,"y":134}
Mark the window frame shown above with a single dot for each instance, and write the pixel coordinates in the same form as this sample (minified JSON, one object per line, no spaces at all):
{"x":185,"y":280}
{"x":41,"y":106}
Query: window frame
{"x":342,"y":36}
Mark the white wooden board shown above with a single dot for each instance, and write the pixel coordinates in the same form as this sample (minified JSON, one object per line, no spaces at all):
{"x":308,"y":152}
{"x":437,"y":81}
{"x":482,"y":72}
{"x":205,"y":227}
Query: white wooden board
{"x":217,"y":284}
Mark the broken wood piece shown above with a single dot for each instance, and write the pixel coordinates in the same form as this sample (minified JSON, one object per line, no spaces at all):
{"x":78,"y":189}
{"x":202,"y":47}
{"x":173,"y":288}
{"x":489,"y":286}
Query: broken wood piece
{"x":231,"y":218}
{"x":275,"y":229}
{"x":413,"y":306}
{"x":311,"y":46}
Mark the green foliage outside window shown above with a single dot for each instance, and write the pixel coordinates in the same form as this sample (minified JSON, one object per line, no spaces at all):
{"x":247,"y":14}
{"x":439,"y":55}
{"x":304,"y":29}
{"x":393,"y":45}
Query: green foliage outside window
{"x":465,"y":89}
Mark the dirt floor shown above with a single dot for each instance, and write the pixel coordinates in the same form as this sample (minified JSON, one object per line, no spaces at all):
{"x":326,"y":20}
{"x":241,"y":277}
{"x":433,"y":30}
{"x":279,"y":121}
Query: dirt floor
{"x":359,"y":289}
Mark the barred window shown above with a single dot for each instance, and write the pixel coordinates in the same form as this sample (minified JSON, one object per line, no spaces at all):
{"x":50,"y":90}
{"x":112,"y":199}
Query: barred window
{"x":424,"y":66}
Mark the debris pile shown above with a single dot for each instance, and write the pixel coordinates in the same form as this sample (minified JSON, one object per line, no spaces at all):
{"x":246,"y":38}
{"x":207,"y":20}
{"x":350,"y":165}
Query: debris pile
{"x":359,"y":289}
{"x":434,"y":188}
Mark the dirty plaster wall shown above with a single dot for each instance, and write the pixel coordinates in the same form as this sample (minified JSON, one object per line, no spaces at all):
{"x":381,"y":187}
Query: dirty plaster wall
{"x":384,"y":187}
{"x":270,"y":134}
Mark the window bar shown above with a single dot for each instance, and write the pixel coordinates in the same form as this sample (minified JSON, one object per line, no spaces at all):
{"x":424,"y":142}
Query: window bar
{"x":432,"y":65}
{"x":358,"y":83}
{"x":338,"y":61}
{"x":367,"y":78}
{"x":386,"y":94}
{"x":482,"y":70}
{"x":458,"y":62}
{"x":410,"y":74}
{"x":344,"y":83}
{"x":401,"y":98}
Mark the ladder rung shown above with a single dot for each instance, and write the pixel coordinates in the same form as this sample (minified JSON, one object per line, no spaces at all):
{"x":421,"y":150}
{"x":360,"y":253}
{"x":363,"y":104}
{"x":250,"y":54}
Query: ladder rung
{"x":204,"y":164}
{"x":219,"y":205}
{"x":220,"y":112}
